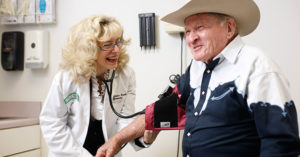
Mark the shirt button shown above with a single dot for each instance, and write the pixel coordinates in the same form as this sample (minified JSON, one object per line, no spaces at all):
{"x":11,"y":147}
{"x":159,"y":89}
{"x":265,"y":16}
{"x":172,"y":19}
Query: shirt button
{"x":196,"y":113}
{"x":203,"y":92}
{"x":188,"y":134}
{"x":208,"y":71}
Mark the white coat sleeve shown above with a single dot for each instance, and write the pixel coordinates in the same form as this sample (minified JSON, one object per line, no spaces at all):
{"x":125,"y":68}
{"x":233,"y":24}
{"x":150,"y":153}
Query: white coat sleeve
{"x":54,"y":126}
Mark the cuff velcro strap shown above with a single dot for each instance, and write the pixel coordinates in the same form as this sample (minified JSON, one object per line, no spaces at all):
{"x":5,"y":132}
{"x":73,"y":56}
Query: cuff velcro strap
{"x":165,"y":112}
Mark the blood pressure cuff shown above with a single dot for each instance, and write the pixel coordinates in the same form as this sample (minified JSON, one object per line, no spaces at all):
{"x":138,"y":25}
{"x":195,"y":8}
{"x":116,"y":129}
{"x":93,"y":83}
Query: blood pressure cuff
{"x":166,"y":114}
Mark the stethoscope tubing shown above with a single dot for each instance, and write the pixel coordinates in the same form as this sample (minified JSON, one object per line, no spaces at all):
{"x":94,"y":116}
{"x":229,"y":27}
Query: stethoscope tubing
{"x":109,"y":92}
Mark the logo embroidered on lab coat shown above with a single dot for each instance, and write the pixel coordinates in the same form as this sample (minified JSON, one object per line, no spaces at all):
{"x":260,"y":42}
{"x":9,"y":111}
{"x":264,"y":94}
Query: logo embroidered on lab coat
{"x":71,"y":96}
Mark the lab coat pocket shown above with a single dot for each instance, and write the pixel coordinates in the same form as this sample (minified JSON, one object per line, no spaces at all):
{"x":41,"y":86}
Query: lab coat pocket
{"x":118,"y":99}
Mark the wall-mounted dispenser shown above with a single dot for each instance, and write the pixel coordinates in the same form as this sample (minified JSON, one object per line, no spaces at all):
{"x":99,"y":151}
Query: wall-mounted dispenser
{"x":27,"y":11}
{"x":8,"y":11}
{"x":45,"y":11}
{"x":147,"y":29}
{"x":12,"y":51}
{"x":36,"y":49}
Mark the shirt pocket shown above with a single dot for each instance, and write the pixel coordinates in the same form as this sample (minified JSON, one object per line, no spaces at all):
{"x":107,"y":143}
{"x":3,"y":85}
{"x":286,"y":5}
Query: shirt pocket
{"x":224,"y":92}
{"x":227,"y":104}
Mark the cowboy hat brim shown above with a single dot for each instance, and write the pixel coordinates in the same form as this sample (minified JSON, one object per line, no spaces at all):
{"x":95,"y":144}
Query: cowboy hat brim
{"x":245,"y":12}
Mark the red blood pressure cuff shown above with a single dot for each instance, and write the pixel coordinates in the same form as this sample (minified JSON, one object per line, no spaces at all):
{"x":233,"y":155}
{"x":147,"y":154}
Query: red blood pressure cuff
{"x":166,"y":114}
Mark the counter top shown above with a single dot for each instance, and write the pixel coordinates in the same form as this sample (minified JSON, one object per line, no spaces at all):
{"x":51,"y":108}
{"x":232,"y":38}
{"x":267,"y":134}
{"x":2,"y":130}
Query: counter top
{"x":19,"y":114}
{"x":6,"y":123}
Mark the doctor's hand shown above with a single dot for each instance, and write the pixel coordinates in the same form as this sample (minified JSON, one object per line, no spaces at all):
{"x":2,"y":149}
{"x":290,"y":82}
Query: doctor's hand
{"x":109,"y":149}
{"x":134,"y":130}
{"x":150,"y":136}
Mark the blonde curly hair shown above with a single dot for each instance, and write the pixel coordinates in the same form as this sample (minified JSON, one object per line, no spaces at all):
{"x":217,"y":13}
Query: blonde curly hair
{"x":81,"y":50}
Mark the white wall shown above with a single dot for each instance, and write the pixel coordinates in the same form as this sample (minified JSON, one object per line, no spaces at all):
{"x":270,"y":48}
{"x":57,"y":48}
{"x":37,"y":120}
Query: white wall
{"x":278,"y":34}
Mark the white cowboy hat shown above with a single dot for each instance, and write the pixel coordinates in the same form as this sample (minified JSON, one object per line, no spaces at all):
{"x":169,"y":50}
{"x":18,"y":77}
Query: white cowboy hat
{"x":245,"y":12}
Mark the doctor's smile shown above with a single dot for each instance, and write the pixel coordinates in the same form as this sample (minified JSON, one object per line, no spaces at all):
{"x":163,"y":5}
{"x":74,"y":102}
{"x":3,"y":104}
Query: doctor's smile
{"x":109,"y":53}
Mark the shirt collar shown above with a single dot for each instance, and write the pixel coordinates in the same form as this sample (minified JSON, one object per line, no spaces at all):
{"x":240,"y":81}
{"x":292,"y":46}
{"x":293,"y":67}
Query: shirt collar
{"x":231,"y":51}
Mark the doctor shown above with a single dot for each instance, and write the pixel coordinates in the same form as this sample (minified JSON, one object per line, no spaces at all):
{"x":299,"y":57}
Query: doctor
{"x":76,"y":118}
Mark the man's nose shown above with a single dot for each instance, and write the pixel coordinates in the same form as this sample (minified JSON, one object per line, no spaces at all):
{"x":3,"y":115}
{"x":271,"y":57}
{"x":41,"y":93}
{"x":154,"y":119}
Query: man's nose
{"x":193,"y":36}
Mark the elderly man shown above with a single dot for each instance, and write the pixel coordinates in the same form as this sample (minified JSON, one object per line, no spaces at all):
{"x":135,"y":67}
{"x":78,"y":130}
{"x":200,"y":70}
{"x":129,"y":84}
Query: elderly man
{"x":238,"y":102}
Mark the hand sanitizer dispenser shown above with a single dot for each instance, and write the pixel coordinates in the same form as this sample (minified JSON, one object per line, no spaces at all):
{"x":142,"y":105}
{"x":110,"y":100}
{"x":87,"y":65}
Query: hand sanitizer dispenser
{"x":12,"y":51}
{"x":36,"y":49}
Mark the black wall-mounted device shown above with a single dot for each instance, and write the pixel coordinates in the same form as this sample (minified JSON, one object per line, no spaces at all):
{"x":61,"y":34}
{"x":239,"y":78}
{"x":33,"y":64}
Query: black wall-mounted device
{"x":147,"y":29}
{"x":12,"y":51}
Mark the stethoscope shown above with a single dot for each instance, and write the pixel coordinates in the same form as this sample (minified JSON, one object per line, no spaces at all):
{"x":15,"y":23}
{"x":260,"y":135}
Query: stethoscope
{"x":109,"y":92}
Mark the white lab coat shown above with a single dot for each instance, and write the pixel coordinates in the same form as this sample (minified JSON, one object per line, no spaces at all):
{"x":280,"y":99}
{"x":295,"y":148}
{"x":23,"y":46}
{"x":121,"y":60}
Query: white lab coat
{"x":64,"y":118}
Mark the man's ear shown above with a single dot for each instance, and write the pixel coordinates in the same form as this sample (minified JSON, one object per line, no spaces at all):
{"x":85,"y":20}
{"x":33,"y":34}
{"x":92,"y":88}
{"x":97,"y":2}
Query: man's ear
{"x":231,"y":27}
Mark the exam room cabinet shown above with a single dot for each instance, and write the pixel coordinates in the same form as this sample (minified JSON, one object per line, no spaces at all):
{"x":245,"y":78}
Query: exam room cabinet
{"x":20,"y":134}
{"x":20,"y":141}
